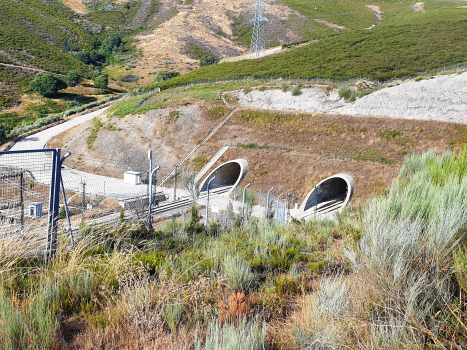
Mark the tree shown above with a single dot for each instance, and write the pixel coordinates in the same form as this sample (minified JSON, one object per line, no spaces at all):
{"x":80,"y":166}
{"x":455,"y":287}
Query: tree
{"x":73,"y":77}
{"x":46,"y":84}
{"x":3,"y":132}
{"x":111,"y":44}
{"x":207,"y":60}
{"x":101,"y":80}
{"x":67,"y":45}
{"x":96,"y":56}
{"x":82,"y":56}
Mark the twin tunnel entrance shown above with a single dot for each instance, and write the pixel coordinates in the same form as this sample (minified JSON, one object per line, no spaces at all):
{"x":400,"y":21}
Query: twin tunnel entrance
{"x":328,"y":197}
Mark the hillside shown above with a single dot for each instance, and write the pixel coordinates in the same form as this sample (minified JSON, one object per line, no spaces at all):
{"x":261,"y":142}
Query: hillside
{"x":32,"y":34}
{"x":405,"y":43}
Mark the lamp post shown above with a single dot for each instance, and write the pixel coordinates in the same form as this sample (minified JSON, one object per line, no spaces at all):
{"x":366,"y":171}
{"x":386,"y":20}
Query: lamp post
{"x":277,"y":207}
{"x":207,"y":202}
{"x":151,"y":174}
{"x":243,"y":205}
{"x":267,"y":203}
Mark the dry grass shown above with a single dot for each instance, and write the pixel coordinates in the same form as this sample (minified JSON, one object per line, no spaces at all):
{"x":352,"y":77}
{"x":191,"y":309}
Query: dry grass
{"x":76,"y":5}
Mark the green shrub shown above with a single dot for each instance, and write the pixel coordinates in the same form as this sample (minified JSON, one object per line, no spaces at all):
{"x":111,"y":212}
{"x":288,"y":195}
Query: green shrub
{"x":296,"y":91}
{"x":73,"y":77}
{"x":207,"y":60}
{"x":46,"y":84}
{"x":101,"y":80}
{"x":130,"y":78}
{"x":238,"y":273}
{"x":284,"y":87}
{"x":345,"y":91}
{"x":245,"y":334}
{"x":173,"y":315}
{"x":165,"y":75}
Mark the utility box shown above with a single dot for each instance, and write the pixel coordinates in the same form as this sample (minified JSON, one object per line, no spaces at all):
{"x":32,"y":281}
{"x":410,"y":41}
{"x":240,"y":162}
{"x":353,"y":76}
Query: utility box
{"x":132,"y":177}
{"x":35,"y":209}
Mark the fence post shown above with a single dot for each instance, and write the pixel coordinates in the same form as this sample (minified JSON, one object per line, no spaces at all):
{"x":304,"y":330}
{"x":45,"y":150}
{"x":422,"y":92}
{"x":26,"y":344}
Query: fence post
{"x":175,"y":183}
{"x":54,"y":202}
{"x":83,"y":199}
{"x":21,"y":195}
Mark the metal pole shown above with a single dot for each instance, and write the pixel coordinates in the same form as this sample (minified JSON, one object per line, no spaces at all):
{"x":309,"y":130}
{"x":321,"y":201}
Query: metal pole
{"x":83,"y":197}
{"x":207,"y":203}
{"x":21,"y":190}
{"x":150,"y":196}
{"x":277,"y":207}
{"x":243,"y":205}
{"x":149,"y":190}
{"x":267,"y":203}
{"x":67,"y":212}
{"x":175,"y":183}
{"x":54,"y":205}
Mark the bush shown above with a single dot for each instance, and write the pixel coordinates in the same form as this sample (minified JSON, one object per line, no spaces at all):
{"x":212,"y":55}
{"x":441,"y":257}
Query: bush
{"x":165,"y":75}
{"x":82,"y":56}
{"x":101,"y":80}
{"x":296,"y":91}
{"x":238,"y":273}
{"x":344,"y":91}
{"x":207,"y":60}
{"x":129,"y":78}
{"x":96,"y":56}
{"x":173,"y":315}
{"x":72,"y":104}
{"x":73,"y":78}
{"x":229,"y":336}
{"x":46,"y":84}
{"x":284,"y":86}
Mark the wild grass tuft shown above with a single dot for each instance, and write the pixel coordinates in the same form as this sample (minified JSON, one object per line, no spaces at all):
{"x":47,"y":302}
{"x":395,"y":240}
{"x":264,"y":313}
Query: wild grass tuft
{"x":230,"y":336}
{"x":296,"y":91}
{"x":238,"y":274}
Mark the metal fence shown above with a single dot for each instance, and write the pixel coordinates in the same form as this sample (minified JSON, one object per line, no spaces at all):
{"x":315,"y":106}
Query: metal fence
{"x":29,"y":197}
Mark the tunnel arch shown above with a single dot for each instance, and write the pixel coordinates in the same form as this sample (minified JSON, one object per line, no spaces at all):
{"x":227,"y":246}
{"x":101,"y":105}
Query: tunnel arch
{"x":328,"y":197}
{"x":230,"y":173}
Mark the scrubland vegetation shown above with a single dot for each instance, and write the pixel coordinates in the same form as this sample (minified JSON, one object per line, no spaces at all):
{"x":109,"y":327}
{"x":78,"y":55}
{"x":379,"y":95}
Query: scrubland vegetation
{"x":386,"y":274}
{"x":404,"y":44}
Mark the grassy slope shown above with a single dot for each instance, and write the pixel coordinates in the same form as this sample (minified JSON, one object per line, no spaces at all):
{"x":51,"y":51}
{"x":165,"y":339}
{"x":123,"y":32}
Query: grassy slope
{"x":404,"y":44}
{"x":28,"y":31}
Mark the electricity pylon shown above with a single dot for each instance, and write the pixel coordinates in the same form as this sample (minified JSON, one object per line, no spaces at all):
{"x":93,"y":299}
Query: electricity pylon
{"x":258,"y":40}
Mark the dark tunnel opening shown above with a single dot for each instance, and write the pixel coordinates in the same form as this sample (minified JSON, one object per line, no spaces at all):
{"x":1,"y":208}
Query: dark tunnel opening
{"x":334,"y":189}
{"x":226,"y":175}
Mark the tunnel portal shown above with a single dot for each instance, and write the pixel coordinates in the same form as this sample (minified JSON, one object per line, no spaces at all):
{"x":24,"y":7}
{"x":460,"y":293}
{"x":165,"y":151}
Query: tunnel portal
{"x":227,"y":175}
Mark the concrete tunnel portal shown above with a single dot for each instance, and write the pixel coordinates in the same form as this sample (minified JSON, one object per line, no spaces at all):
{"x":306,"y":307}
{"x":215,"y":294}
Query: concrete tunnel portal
{"x":229,"y":174}
{"x":328,"y":197}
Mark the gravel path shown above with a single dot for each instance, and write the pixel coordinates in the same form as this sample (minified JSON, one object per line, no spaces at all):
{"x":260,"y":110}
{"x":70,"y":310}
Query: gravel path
{"x":40,"y":139}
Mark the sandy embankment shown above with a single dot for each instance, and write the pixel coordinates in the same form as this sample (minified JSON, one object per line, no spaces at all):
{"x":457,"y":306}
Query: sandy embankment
{"x":442,"y":98}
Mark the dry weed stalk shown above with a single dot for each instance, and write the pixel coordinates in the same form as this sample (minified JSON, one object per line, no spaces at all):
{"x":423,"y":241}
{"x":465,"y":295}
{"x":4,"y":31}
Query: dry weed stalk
{"x":238,"y":307}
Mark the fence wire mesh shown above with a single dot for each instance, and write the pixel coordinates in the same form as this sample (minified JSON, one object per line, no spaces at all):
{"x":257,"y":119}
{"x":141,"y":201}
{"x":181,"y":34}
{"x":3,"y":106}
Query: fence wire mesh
{"x":25,"y":192}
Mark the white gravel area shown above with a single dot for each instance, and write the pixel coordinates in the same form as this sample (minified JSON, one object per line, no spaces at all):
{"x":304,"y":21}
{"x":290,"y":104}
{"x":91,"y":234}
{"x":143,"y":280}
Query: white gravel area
{"x":316,"y":99}
{"x":442,"y":98}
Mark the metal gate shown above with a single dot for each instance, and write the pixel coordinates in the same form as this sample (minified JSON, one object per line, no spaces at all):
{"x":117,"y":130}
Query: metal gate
{"x":29,"y":198}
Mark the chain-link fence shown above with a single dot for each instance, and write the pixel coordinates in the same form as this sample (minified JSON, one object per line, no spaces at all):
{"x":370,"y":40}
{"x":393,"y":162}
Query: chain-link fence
{"x":29,"y":197}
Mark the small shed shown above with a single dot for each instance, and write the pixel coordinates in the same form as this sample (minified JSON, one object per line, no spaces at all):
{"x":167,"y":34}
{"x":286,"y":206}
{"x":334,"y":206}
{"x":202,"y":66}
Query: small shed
{"x":132,"y":177}
{"x":35,"y":209}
